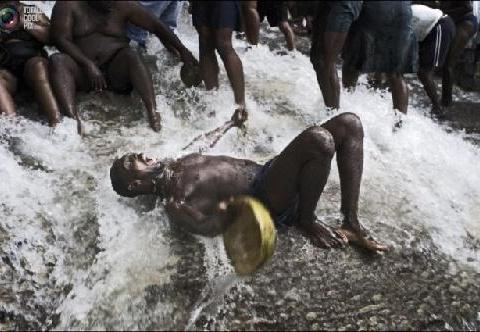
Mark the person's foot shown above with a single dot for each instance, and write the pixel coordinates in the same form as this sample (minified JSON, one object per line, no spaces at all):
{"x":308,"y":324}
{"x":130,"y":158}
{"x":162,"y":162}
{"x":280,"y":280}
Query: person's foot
{"x":398,"y":121}
{"x":155,"y":121}
{"x":323,"y":236}
{"x":357,"y":234}
{"x":438,"y":112}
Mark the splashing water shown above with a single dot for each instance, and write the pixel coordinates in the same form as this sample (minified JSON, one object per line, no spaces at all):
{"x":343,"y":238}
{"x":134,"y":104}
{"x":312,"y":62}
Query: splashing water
{"x":90,"y":258}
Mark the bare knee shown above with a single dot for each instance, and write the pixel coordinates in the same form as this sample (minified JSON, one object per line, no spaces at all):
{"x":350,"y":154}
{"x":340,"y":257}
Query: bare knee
{"x":224,"y":47}
{"x":318,"y":140}
{"x":8,"y":81}
{"x":60,"y":61}
{"x":36,"y":69}
{"x":351,"y":124}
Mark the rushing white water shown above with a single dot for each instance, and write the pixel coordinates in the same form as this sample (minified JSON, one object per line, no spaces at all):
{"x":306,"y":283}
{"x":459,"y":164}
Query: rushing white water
{"x":56,"y":197}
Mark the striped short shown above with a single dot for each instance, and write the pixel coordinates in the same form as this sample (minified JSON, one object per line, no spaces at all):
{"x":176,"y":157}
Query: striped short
{"x":434,"y":48}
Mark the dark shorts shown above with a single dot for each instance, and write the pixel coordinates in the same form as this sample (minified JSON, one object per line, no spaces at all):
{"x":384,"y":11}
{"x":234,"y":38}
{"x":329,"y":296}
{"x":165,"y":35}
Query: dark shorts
{"x":287,"y":217}
{"x":382,"y":39}
{"x":15,"y":56}
{"x":274,"y":11}
{"x":217,"y":14}
{"x":434,"y":48}
{"x":122,"y":89}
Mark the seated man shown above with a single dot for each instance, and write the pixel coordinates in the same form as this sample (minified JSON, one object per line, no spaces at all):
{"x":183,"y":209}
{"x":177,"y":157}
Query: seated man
{"x":198,"y":187}
{"x":96,"y":54}
{"x":23,"y":61}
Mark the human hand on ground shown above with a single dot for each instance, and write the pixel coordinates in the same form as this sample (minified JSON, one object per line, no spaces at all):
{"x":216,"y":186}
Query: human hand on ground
{"x":155,"y":121}
{"x":95,"y":76}
{"x":239,"y":117}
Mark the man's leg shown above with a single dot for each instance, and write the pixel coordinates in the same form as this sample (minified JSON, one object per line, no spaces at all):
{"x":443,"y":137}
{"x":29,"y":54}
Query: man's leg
{"x":251,"y":21}
{"x":464,"y":31}
{"x":65,"y":78}
{"x":347,"y":132}
{"x":399,"y":92}
{"x":426,"y":77}
{"x":302,"y":168}
{"x":233,"y":64}
{"x":287,"y":31}
{"x":208,"y":58}
{"x":127,"y":68}
{"x":36,"y":75}
{"x":327,"y":76}
{"x":8,"y":87}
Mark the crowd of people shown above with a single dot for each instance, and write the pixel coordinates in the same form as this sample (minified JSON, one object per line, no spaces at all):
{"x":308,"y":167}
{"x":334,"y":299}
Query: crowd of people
{"x":95,"y":53}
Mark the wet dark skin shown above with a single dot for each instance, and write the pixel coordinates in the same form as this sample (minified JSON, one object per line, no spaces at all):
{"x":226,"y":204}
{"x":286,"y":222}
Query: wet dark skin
{"x":35,"y":72}
{"x":91,"y":35}
{"x":199,"y":187}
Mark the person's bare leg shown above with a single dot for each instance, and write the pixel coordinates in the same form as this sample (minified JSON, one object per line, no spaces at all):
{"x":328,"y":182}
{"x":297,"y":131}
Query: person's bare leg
{"x":233,"y":64}
{"x":65,"y":78}
{"x":8,"y":87}
{"x":426,"y":77}
{"x":208,"y":58}
{"x":127,"y":68}
{"x":327,"y":76}
{"x":399,"y":92}
{"x":349,"y":78}
{"x":251,"y":21}
{"x":36,"y":75}
{"x":302,"y":168}
{"x":287,"y":31}
{"x":464,"y":31}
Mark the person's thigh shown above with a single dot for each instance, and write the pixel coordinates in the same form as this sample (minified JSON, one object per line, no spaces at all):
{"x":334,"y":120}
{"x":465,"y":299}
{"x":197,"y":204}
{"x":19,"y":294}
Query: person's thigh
{"x":63,"y":63}
{"x":118,"y":70}
{"x":282,"y":180}
{"x":9,"y":81}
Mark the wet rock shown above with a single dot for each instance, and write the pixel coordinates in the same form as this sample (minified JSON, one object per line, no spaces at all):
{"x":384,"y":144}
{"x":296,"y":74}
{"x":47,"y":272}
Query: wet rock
{"x":377,"y":297}
{"x":370,"y":308}
{"x":311,"y":316}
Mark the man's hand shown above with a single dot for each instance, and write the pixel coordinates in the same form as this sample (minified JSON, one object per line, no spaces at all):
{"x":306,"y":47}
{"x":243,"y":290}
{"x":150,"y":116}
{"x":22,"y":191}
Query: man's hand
{"x":95,"y":76}
{"x":239,"y":117}
{"x":155,"y":121}
{"x":188,"y":58}
{"x":323,"y":236}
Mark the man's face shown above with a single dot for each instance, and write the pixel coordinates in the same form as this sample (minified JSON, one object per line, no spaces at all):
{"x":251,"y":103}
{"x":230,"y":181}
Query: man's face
{"x":139,"y":163}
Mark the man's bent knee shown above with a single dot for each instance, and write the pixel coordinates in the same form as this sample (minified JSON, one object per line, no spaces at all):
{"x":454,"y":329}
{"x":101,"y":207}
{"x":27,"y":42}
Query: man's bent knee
{"x":352,"y":123}
{"x":36,"y":69}
{"x":317,"y":139}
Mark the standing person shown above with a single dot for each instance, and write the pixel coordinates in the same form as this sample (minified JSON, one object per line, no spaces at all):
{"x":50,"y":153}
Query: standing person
{"x":96,"y":54}
{"x":382,"y":41}
{"x":215,"y":22}
{"x":435,"y":32}
{"x":276,"y":13}
{"x":331,"y":22}
{"x":165,"y":11}
{"x":24,"y":61}
{"x":466,"y":26}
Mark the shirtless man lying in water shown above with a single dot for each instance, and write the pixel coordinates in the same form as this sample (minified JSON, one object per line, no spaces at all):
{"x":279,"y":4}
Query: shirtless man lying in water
{"x":197,"y":187}
{"x":96,"y":54}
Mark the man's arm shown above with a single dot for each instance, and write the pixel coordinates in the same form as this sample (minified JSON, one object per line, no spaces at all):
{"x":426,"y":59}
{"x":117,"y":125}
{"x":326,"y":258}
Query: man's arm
{"x":62,"y":35}
{"x":142,"y":18}
{"x":194,"y":221}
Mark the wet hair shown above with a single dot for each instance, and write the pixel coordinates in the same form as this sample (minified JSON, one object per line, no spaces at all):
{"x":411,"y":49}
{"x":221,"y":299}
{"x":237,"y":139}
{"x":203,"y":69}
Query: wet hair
{"x":118,"y":175}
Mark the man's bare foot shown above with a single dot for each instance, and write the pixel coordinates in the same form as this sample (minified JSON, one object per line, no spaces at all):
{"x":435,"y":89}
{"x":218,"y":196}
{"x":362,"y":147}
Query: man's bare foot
{"x":357,"y":234}
{"x":323,"y":236}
